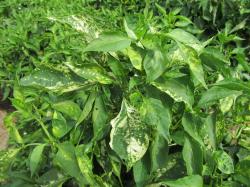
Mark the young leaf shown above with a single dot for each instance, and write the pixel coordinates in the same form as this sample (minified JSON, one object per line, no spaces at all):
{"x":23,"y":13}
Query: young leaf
{"x":68,"y":108}
{"x":92,"y":72}
{"x":129,"y":137}
{"x":111,"y":42}
{"x":36,"y":158}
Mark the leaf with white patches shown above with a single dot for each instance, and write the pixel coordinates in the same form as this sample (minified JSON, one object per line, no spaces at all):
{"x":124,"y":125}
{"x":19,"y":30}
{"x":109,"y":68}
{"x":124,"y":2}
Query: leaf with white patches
{"x":92,"y":72}
{"x":176,"y":89}
{"x":52,"y":80}
{"x":129,"y":136}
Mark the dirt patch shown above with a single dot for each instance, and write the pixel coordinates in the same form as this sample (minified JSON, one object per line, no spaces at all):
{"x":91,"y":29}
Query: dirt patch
{"x":3,"y":132}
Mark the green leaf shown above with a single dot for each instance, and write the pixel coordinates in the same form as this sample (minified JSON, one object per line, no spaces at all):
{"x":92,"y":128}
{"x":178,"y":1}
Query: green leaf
{"x":224,"y":162}
{"x":135,"y":57}
{"x":176,"y":89}
{"x":91,"y":72}
{"x":87,"y":108}
{"x":234,"y":84}
{"x":193,"y":156}
{"x":158,"y":153}
{"x":156,"y":113}
{"x":192,"y":59}
{"x":36,"y":158}
{"x":184,"y":37}
{"x":154,"y":64}
{"x":99,"y":117}
{"x":216,"y":60}
{"x":191,"y":124}
{"x":129,"y":31}
{"x":65,"y":158}
{"x":69,"y":108}
{"x":242,"y":171}
{"x":141,"y":171}
{"x":129,"y":137}
{"x":111,"y":42}
{"x":52,"y":80}
{"x":60,"y":126}
{"x":193,"y":180}
{"x":214,"y":94}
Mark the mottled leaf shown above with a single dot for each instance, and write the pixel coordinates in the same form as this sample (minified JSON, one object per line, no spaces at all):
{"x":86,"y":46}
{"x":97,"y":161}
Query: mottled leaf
{"x":91,"y":72}
{"x":129,"y":137}
{"x":224,"y":162}
{"x":192,"y":180}
{"x":176,"y":89}
{"x":135,"y":57}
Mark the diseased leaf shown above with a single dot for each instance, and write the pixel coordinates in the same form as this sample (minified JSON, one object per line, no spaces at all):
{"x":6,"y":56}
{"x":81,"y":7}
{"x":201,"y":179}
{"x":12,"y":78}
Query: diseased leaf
{"x":69,"y":108}
{"x":91,"y":72}
{"x":60,"y":126}
{"x":224,"y":162}
{"x":36,"y":158}
{"x":129,"y":137}
{"x":216,"y":93}
{"x":192,"y":59}
{"x":135,"y":57}
{"x":52,"y":80}
{"x":176,"y":89}
{"x":109,"y":42}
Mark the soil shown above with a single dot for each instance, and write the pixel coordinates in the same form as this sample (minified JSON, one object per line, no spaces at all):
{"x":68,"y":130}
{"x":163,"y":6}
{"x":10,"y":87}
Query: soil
{"x":3,"y":132}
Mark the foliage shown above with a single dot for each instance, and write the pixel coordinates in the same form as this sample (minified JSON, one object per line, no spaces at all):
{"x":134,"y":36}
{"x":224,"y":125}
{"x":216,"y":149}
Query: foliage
{"x":126,"y":93}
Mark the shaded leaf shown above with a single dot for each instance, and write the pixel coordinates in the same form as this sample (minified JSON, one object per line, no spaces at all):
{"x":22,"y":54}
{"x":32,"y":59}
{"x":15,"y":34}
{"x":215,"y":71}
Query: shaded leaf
{"x":36,"y":158}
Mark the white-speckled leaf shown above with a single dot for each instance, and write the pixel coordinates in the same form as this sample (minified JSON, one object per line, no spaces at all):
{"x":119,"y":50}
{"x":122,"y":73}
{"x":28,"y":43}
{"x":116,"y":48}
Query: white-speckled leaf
{"x":92,"y":72}
{"x":129,"y":137}
{"x":52,"y":80}
{"x":176,"y":89}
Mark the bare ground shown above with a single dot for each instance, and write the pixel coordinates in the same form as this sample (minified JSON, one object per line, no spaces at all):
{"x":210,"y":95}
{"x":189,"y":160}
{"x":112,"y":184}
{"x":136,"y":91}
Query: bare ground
{"x":3,"y":131}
